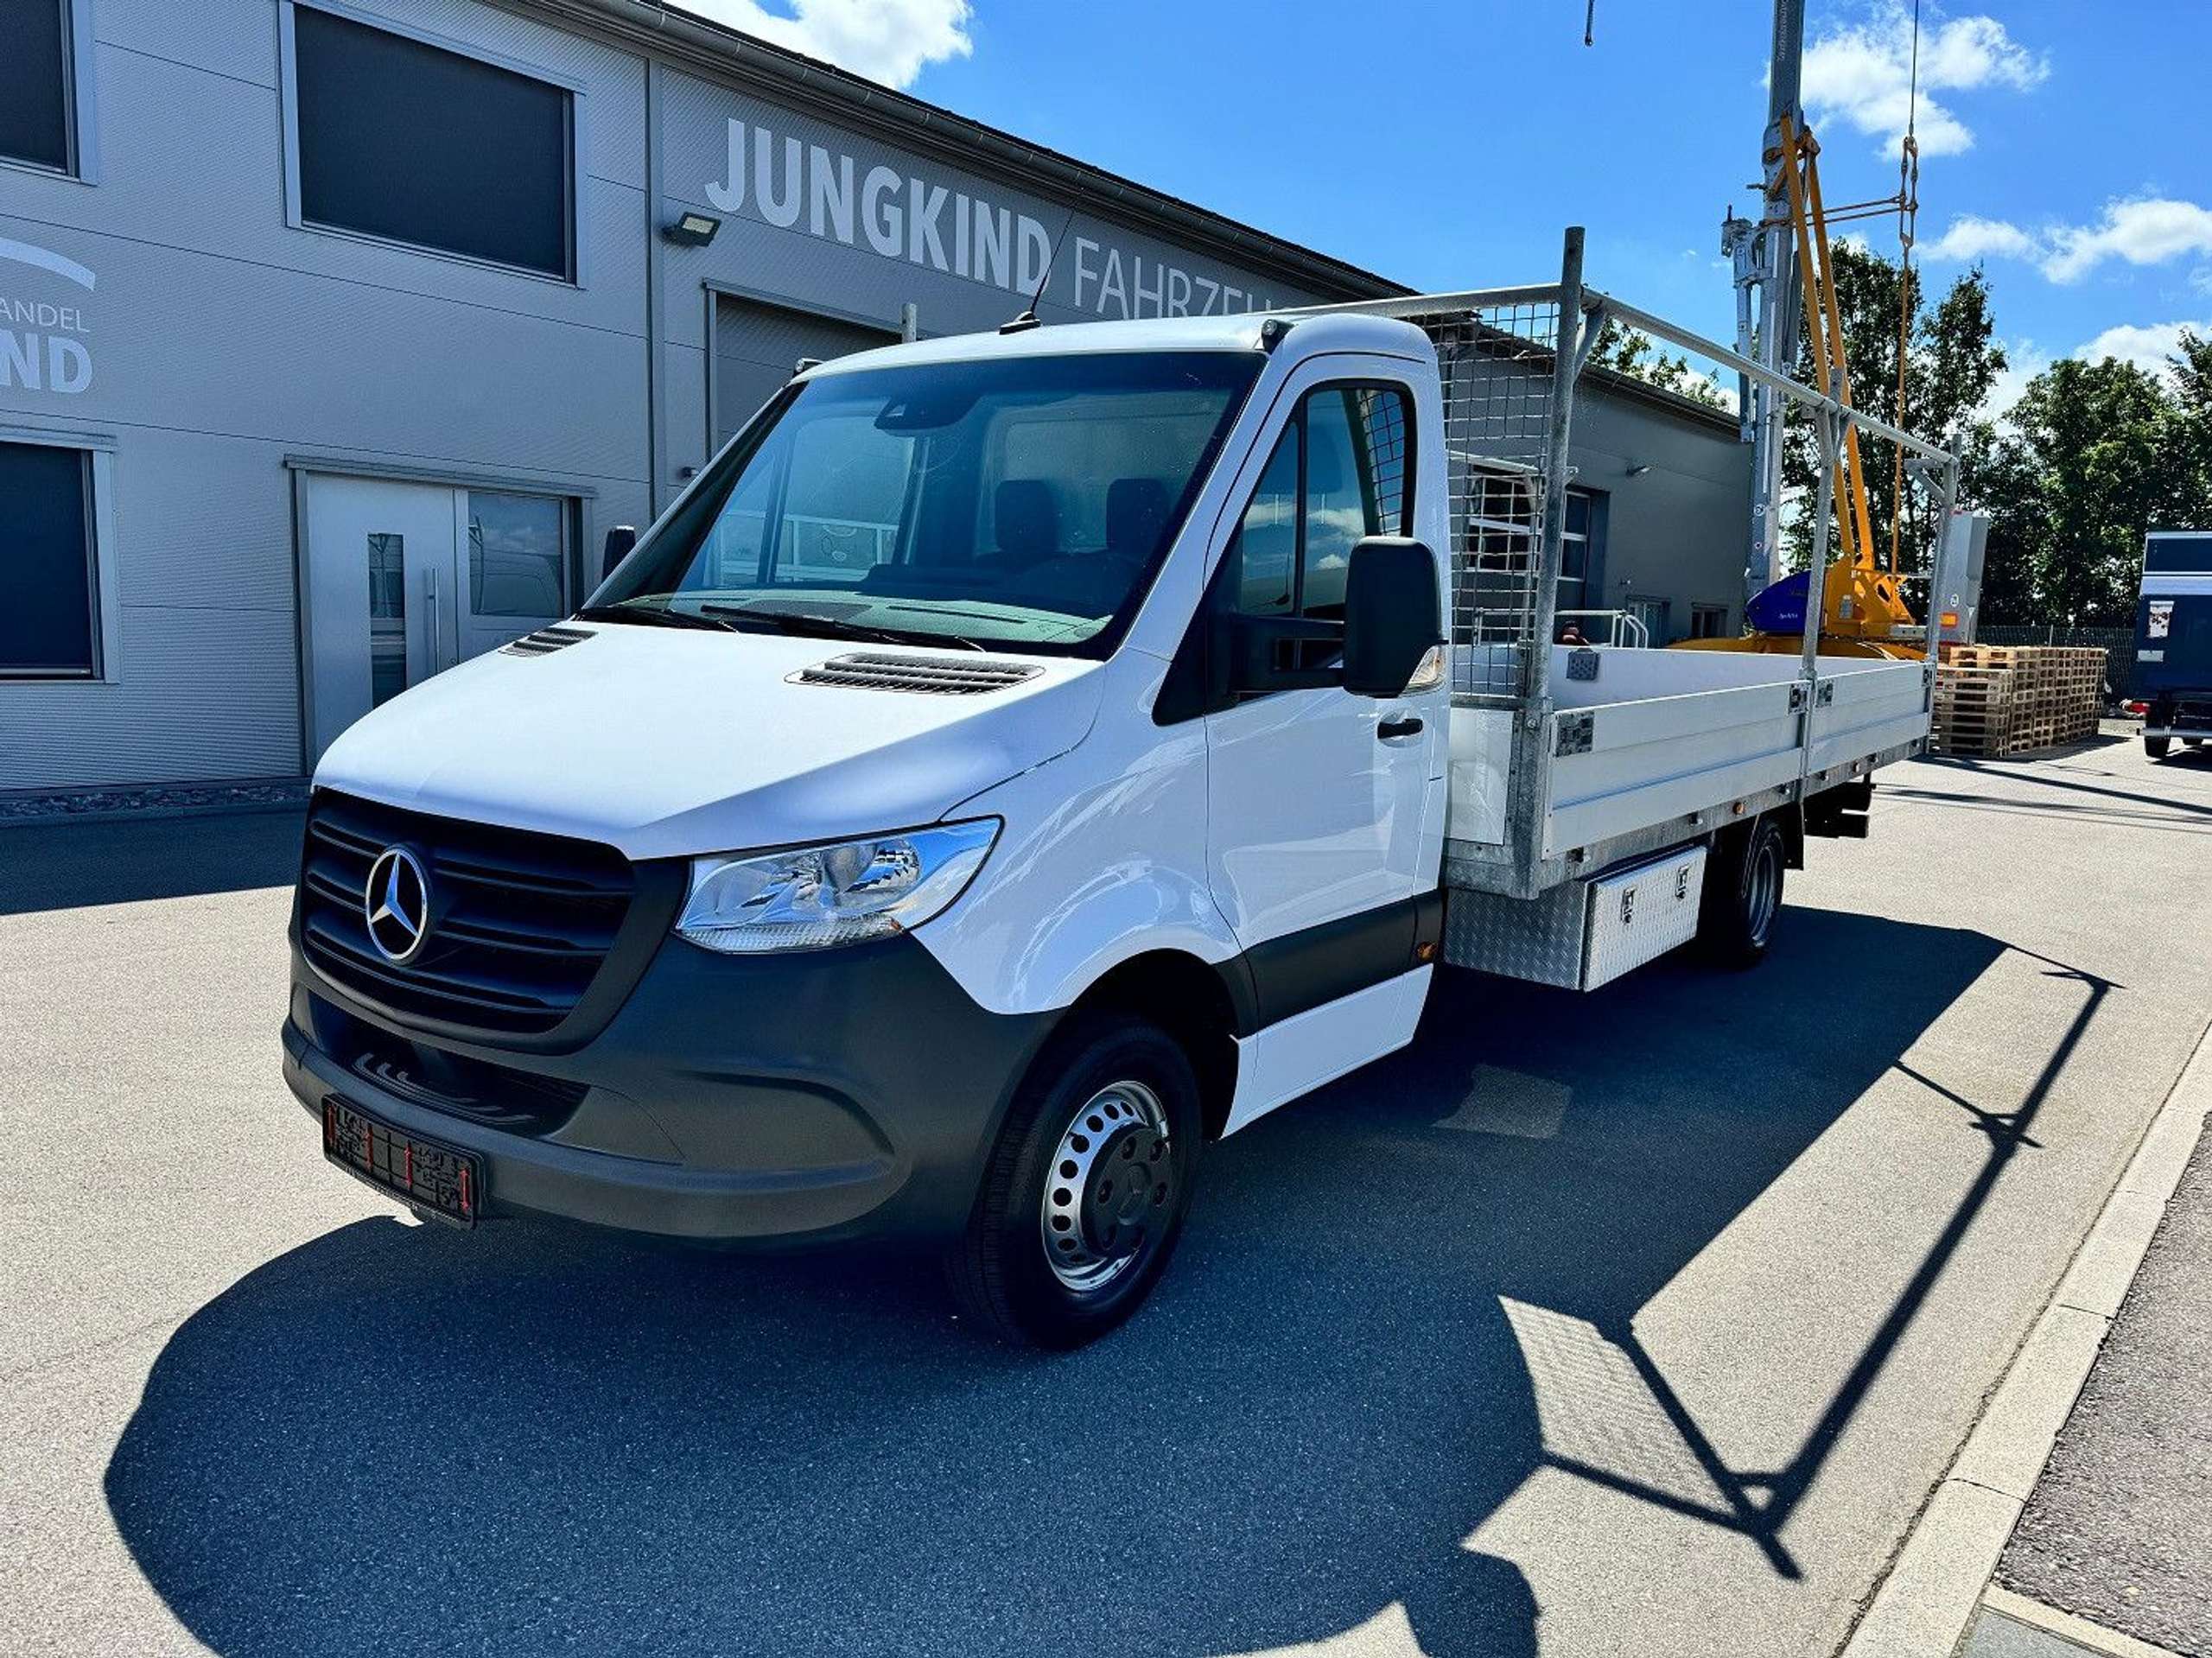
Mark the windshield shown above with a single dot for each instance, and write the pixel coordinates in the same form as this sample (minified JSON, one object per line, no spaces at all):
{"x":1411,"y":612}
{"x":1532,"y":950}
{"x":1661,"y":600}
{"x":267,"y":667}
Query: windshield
{"x":1024,"y":501}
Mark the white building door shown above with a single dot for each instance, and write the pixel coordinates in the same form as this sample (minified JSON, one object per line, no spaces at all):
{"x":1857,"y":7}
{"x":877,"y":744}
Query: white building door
{"x":405,"y":579}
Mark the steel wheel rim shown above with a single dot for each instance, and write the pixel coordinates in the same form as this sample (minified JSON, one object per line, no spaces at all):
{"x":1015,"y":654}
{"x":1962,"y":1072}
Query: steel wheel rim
{"x":1109,"y":1188}
{"x":1764,"y":896}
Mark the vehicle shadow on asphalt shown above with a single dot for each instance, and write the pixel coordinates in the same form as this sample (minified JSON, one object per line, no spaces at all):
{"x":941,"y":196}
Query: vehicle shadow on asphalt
{"x":66,"y":865}
{"x":530,"y":1439}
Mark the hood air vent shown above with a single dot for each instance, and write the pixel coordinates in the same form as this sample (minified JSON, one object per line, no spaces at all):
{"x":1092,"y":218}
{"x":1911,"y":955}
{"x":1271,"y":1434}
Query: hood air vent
{"x":938,"y":676}
{"x":545,"y":641}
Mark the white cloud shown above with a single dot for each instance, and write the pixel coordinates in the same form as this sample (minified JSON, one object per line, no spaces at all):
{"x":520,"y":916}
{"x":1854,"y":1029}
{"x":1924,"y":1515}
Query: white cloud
{"x":2147,"y":231}
{"x":1971,"y":236}
{"x":2147,"y":346}
{"x":2142,"y":231}
{"x":1862,"y":73}
{"x":2023,"y":362}
{"x":889,"y":41}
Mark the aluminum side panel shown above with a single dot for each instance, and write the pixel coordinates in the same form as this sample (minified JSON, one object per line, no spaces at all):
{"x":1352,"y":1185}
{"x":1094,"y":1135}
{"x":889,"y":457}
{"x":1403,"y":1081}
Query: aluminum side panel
{"x":1668,"y":756}
{"x":1868,"y":711}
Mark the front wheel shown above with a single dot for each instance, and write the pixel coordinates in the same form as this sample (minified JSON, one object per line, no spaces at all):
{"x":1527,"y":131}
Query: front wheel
{"x":2156,"y":747}
{"x":1085,"y":1191}
{"x":1743,"y":894}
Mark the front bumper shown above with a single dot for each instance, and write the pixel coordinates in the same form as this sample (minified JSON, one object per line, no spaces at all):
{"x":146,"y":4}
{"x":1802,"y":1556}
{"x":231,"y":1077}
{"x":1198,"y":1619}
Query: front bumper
{"x":779,"y":1101}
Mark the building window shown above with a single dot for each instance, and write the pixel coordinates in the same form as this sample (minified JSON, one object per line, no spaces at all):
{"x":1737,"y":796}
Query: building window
{"x":1502,"y":512}
{"x":49,"y":592}
{"x":400,"y":139}
{"x":518,"y":555}
{"x":36,"y":83}
{"x":1574,"y":552}
{"x":1708,"y":622}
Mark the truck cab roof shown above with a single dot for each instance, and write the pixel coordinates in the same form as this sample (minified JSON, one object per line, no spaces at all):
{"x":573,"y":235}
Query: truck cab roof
{"x":1328,"y":331}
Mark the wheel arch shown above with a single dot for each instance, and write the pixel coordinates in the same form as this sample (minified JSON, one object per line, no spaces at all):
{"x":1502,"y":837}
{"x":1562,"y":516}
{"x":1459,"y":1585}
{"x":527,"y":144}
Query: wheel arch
{"x":1193,"y":1001}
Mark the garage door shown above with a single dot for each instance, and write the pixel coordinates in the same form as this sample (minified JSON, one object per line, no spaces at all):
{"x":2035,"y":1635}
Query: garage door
{"x":756,"y":346}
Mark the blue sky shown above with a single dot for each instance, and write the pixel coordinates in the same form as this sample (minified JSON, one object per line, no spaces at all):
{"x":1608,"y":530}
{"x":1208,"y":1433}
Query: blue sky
{"x":2067,"y":143}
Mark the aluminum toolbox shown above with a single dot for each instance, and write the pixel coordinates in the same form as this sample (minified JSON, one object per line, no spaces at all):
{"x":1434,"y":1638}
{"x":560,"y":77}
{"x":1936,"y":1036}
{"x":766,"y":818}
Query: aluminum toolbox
{"x":1582,"y":933}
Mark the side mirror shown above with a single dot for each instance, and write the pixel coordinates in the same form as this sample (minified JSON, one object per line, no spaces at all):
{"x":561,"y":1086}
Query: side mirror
{"x":620,"y":540}
{"x":1393,"y":614}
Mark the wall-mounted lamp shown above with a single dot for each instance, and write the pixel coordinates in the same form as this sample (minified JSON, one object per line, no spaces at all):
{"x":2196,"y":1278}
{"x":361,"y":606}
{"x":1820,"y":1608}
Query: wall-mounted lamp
{"x":693,"y":230}
{"x":1639,"y":469}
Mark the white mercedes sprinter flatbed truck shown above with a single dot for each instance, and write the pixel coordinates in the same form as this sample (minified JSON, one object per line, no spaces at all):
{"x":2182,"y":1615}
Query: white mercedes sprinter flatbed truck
{"x":1019,"y":759}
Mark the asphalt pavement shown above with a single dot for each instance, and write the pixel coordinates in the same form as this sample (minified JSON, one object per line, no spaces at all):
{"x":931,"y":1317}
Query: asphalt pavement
{"x":1638,"y":1322}
{"x":2120,"y":1528}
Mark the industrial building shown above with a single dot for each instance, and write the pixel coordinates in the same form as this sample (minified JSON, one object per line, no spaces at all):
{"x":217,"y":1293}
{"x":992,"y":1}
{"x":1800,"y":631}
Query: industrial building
{"x":335,"y":337}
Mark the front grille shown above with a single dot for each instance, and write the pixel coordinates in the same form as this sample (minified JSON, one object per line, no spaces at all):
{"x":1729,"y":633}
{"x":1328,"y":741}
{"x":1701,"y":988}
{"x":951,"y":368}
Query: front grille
{"x":499,"y":1096}
{"x":520,"y":924}
{"x":545,"y":641}
{"x":938,"y":676}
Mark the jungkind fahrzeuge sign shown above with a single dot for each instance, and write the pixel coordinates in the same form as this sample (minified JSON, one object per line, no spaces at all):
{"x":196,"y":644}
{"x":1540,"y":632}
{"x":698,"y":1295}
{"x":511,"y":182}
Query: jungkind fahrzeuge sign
{"x":44,"y":339}
{"x":899,"y":214}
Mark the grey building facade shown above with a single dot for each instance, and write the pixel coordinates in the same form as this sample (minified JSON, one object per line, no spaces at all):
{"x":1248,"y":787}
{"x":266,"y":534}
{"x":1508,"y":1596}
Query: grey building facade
{"x":335,"y":334}
{"x":1670,"y":487}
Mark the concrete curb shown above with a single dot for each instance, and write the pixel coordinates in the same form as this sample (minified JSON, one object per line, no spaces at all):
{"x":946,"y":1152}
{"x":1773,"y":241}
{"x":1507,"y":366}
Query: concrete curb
{"x":1928,"y":1600}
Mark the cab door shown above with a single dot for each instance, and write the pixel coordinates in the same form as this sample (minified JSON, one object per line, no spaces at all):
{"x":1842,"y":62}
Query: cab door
{"x":1325,"y":809}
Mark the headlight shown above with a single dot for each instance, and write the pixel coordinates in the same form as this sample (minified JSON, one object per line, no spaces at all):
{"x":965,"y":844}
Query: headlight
{"x":814,"y":897}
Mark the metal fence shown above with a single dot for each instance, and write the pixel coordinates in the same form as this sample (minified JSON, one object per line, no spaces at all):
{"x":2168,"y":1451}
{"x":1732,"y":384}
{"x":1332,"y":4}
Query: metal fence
{"x":2117,"y":643}
{"x":1509,"y":359}
{"x":1495,"y":365}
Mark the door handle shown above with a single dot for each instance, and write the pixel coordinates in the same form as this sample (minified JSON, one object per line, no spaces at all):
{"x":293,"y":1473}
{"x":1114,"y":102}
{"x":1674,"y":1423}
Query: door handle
{"x":1390,"y":730}
{"x":430,"y":600}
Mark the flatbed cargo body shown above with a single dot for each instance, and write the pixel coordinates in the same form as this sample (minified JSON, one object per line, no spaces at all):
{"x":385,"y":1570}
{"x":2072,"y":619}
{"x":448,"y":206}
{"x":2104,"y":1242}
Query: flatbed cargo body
{"x":1660,"y":747}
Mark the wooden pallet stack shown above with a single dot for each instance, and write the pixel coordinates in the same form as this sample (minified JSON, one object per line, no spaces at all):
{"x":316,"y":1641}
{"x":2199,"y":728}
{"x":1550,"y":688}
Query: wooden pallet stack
{"x":2014,"y":699}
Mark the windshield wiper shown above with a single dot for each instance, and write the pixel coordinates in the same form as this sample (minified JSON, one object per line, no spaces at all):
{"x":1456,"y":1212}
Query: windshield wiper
{"x":807,"y":622}
{"x":645,"y":616}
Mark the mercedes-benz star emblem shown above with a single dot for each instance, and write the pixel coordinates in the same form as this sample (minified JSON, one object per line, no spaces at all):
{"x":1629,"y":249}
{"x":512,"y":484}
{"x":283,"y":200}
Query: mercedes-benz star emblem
{"x":398,"y":905}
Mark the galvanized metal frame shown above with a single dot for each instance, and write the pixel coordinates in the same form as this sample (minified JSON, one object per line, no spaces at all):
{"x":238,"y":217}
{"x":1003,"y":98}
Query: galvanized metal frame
{"x":1518,"y":865}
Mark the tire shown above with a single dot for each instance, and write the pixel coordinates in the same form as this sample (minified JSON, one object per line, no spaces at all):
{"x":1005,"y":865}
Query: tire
{"x":1053,"y":1176}
{"x":1743,"y":894}
{"x":2156,"y":747}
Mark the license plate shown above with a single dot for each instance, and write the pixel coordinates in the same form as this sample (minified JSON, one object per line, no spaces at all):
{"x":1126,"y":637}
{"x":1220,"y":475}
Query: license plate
{"x":435,"y":1178}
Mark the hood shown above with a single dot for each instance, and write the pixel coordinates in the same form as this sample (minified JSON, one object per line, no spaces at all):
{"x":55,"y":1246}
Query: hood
{"x":666,"y":743}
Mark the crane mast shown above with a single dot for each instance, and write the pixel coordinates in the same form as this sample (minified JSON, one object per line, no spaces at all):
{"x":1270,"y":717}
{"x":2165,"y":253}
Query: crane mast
{"x":1770,"y":302}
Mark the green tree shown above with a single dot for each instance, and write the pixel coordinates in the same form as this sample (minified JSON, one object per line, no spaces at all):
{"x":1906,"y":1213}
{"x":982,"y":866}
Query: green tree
{"x":2098,"y":452}
{"x":1632,"y":352}
{"x":1951,"y":365}
{"x":2192,"y":367}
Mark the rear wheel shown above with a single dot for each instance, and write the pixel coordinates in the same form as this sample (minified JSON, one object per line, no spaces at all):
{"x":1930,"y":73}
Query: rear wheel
{"x":1743,"y":894}
{"x":1085,"y":1191}
{"x":2156,"y":747}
